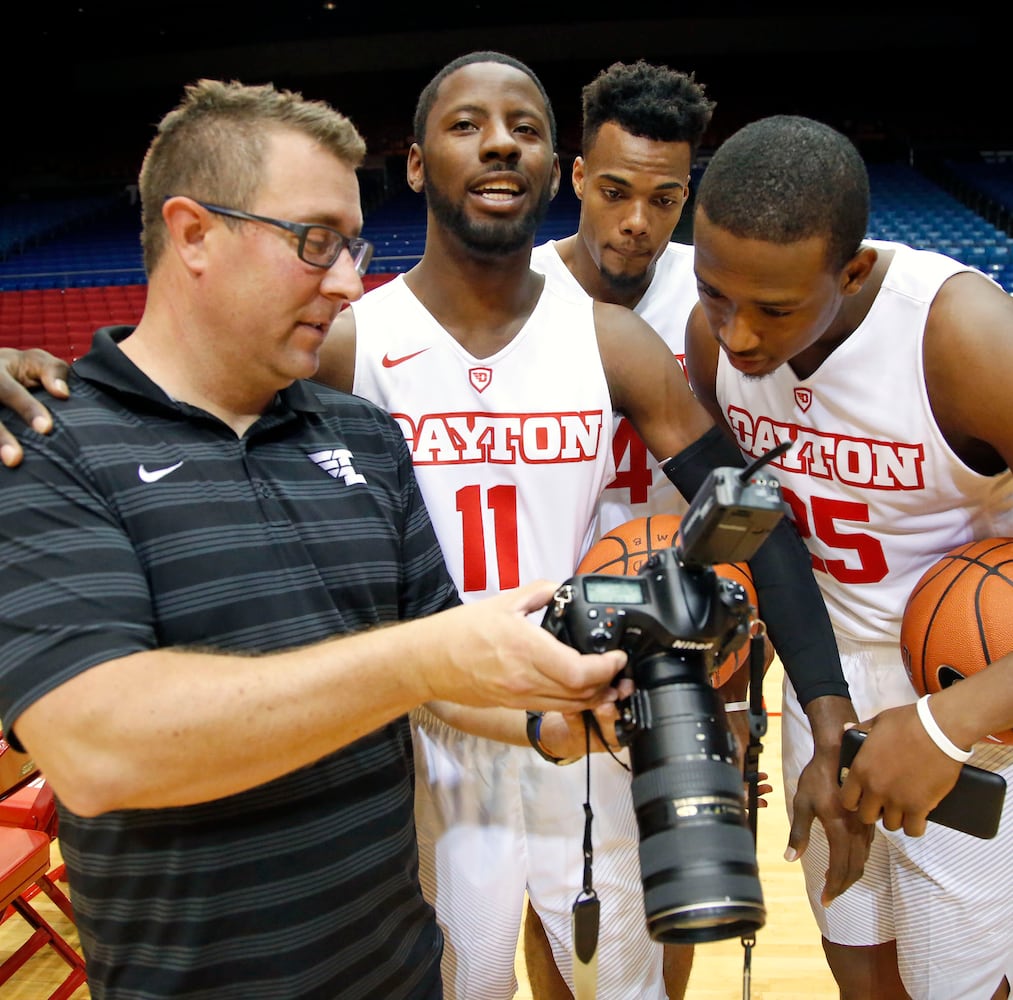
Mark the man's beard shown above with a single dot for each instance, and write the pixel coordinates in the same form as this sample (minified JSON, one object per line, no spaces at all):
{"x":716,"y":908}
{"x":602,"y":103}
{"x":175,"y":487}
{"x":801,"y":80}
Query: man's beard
{"x":495,"y":238}
{"x":624,"y":281}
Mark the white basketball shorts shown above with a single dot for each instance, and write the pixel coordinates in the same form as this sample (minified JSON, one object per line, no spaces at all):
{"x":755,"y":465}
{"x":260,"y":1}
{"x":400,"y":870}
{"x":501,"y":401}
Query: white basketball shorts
{"x":946,"y":897}
{"x":495,"y":820}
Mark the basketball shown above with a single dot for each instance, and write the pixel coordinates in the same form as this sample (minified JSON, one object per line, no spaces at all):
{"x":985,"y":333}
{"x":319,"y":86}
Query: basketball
{"x":959,"y":617}
{"x":626,"y":547}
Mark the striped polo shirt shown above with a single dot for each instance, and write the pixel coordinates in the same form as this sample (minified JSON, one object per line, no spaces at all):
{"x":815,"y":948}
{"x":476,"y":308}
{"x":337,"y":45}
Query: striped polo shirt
{"x":141,"y":522}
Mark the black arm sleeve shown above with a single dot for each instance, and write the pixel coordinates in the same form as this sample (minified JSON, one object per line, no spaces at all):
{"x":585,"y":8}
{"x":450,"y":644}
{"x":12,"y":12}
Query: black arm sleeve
{"x":790,"y":600}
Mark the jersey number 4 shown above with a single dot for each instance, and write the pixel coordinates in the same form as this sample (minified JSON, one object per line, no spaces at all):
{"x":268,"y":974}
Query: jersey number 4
{"x":637,"y":475}
{"x":823,"y":522}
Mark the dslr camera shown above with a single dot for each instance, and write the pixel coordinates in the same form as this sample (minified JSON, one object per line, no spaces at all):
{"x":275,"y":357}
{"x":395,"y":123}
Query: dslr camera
{"x":678,"y":620}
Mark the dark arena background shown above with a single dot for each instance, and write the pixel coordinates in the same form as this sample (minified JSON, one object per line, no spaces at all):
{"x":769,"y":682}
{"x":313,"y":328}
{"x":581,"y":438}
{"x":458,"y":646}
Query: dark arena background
{"x":925,"y":98}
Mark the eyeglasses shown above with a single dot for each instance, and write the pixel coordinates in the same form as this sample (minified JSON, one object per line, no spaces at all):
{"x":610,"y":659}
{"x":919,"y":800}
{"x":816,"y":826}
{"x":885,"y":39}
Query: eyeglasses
{"x":318,"y":245}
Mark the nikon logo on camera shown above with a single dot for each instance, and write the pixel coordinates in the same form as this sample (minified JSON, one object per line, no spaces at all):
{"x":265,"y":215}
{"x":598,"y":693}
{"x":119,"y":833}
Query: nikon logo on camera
{"x":690,"y":644}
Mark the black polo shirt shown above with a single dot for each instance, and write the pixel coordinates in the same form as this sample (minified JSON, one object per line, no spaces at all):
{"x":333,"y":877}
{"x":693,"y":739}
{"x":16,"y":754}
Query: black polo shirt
{"x":141,"y":523}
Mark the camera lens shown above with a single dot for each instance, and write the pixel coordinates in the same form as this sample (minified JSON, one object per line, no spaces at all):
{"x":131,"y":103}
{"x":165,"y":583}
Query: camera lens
{"x":697,"y":856}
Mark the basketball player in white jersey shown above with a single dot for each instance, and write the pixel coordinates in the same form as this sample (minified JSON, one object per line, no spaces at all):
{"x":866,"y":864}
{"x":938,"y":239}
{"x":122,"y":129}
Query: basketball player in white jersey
{"x":473,"y":317}
{"x":641,"y":127}
{"x":889,"y":368}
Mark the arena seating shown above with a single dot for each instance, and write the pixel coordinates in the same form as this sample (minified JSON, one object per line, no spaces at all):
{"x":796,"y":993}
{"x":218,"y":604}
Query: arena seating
{"x":63,"y":320}
{"x":95,"y":245}
{"x":990,"y":178}
{"x":26,"y":223}
{"x":908,"y":207}
{"x":81,"y":266}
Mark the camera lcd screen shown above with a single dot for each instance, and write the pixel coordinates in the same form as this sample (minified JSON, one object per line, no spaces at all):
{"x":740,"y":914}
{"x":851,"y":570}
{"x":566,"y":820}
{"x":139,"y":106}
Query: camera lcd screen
{"x":614,"y":590}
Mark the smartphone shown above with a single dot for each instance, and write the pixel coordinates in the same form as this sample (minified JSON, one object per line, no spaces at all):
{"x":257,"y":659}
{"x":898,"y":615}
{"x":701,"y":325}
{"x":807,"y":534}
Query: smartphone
{"x":973,"y":805}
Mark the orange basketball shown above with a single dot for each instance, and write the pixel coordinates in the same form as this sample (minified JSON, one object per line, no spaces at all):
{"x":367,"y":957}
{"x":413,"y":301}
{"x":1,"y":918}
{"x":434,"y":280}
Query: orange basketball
{"x":626,"y":547}
{"x":959,"y":617}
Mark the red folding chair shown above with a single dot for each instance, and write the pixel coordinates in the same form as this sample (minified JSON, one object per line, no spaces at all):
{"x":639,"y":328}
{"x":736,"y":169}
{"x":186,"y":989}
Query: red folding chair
{"x":24,"y":864}
{"x":33,"y":807}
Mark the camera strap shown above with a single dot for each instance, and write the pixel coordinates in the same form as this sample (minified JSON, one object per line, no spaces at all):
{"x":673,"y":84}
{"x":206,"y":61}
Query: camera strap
{"x":757,"y":714}
{"x":586,"y":911}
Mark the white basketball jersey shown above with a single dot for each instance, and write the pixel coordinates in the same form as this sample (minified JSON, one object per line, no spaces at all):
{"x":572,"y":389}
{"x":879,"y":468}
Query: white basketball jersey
{"x":511,"y":451}
{"x":639,"y":488}
{"x":875,"y":491}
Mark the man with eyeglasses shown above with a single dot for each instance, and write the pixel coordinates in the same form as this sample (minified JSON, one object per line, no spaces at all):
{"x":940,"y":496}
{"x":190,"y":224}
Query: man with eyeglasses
{"x":184,"y":558}
{"x":317,"y":245}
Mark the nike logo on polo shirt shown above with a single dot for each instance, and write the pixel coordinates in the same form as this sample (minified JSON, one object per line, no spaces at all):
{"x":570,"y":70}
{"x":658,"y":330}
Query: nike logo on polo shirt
{"x":389,"y":362}
{"x":155,"y":474}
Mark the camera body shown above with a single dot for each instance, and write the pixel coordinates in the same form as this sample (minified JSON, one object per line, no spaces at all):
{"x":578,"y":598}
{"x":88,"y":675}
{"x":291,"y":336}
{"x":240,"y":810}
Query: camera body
{"x":667,"y":606}
{"x":678,"y":620}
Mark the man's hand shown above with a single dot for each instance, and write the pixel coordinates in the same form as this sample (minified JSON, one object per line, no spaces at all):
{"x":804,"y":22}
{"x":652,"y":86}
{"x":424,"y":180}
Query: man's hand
{"x":30,"y":368}
{"x":849,"y":838}
{"x":818,"y":797}
{"x":900,"y":775}
{"x":564,"y":734}
{"x":498,"y":656}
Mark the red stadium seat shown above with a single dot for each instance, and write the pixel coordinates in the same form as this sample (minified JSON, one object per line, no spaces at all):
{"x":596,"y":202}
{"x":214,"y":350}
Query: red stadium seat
{"x":28,"y":825}
{"x":24,"y":864}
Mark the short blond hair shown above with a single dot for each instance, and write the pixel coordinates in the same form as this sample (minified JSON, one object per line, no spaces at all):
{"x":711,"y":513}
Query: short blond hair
{"x":211,"y":147}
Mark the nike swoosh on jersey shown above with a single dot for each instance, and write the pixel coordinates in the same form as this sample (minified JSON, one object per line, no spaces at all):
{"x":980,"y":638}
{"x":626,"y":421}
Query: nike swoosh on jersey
{"x":389,"y":362}
{"x":155,"y":474}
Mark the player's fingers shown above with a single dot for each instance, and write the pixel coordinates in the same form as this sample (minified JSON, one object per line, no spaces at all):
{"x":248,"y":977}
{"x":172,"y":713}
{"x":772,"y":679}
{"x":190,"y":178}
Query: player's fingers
{"x":851,"y":852}
{"x":850,"y":793}
{"x":798,"y":835}
{"x":10,"y":450}
{"x":54,"y":383}
{"x":870,"y":809}
{"x":892,"y":817}
{"x":19,"y":369}
{"x":547,"y":694}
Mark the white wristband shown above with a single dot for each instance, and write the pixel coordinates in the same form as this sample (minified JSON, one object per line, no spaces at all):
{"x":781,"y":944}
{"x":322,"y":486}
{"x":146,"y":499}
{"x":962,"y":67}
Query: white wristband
{"x":736,"y":706}
{"x":937,"y":736}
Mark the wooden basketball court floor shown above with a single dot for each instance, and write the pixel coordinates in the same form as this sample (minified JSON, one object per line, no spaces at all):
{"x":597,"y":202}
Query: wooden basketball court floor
{"x":787,"y":961}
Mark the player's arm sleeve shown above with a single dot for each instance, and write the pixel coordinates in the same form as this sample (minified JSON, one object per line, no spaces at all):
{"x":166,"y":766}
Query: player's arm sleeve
{"x":790,"y":601}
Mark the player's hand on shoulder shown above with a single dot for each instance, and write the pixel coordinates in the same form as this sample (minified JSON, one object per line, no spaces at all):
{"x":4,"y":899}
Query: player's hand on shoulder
{"x":30,"y":368}
{"x":494,"y":654}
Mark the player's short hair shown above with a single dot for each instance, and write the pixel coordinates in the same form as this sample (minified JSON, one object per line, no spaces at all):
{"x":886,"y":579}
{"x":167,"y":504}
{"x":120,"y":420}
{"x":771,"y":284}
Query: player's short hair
{"x":654,"y":102}
{"x":211,"y":147}
{"x":787,"y":178}
{"x":428,"y":96}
